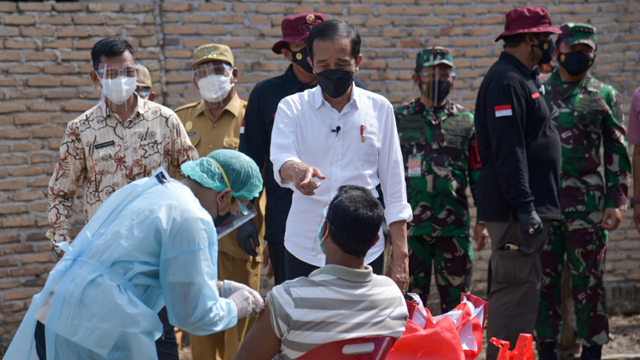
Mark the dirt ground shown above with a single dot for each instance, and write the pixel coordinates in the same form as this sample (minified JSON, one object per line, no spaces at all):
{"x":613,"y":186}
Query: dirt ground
{"x":624,"y":345}
{"x":625,"y":339}
{"x":625,"y":333}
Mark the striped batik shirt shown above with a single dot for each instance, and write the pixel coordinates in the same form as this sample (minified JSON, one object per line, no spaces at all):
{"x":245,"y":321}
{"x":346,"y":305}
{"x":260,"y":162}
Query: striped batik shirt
{"x":335,"y":303}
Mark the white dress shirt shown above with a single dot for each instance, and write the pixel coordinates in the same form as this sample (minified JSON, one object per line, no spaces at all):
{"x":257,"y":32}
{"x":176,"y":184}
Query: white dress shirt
{"x":303,"y":132}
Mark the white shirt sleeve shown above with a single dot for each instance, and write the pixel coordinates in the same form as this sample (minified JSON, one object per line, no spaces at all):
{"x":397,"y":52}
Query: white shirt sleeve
{"x":391,"y":169}
{"x":284,"y":140}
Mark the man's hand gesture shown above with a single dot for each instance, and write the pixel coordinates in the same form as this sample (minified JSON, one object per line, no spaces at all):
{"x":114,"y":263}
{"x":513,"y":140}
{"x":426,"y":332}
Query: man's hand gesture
{"x":302,"y":176}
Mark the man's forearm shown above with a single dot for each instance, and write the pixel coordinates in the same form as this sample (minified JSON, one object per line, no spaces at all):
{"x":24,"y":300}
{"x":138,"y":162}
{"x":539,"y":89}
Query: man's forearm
{"x":398,"y":232}
{"x":286,"y":171}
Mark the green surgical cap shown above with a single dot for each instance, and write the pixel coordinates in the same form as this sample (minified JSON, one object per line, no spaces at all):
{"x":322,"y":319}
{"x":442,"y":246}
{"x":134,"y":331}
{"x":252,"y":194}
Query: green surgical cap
{"x":241,"y":171}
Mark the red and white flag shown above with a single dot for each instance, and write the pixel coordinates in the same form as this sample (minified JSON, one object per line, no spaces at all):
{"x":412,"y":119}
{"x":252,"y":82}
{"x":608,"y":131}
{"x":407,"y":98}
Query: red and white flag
{"x":242,"y":128}
{"x":503,"y":110}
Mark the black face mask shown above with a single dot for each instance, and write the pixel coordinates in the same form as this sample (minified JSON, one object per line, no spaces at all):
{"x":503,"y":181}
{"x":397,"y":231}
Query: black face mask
{"x":547,"y":50}
{"x":301,"y":59}
{"x":442,"y":89}
{"x":221,"y":218}
{"x":575,"y":62}
{"x":335,"y":82}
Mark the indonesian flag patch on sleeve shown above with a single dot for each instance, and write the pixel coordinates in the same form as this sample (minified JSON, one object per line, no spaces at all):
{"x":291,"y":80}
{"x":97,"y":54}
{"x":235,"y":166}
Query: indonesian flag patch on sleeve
{"x":503,"y":110}
{"x":242,"y":127}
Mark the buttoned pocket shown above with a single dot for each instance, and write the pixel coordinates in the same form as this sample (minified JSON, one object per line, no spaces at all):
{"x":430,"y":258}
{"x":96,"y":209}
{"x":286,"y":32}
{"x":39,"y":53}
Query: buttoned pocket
{"x":589,"y":111}
{"x":231,"y":142}
{"x":194,"y":137}
{"x":514,"y":267}
{"x":455,"y":141}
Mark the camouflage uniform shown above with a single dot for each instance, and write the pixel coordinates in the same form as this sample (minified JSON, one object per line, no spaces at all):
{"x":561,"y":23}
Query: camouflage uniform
{"x":439,"y":231}
{"x":587,"y":116}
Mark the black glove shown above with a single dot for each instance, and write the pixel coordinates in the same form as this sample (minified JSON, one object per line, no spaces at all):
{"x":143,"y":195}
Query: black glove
{"x":247,"y":238}
{"x":530,"y":223}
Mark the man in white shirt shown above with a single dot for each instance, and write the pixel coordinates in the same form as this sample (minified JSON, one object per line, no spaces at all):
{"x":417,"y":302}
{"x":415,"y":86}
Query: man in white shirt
{"x":339,"y":134}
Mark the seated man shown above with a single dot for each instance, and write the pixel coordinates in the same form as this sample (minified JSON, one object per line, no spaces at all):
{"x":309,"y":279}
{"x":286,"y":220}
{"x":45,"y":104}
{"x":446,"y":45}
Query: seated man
{"x":342,"y":300}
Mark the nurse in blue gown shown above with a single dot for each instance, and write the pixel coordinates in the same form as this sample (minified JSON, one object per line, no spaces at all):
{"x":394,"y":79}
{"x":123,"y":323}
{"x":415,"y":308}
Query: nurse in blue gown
{"x":152,"y":243}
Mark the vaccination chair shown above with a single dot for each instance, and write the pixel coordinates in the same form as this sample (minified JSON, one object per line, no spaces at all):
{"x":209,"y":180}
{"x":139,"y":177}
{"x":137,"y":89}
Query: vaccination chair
{"x":363,"y":348}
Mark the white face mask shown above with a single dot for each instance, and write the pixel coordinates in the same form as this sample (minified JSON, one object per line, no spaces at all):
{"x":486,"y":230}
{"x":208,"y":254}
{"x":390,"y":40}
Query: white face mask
{"x":119,"y":89}
{"x":215,"y":88}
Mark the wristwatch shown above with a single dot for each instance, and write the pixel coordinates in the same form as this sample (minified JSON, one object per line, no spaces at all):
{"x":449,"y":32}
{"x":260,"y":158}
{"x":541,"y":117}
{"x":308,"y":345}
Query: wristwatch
{"x":634,"y":202}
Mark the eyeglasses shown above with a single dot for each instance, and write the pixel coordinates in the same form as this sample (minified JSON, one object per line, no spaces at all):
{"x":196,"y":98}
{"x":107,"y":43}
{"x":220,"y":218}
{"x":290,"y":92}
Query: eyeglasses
{"x":115,"y":72}
{"x":202,"y":71}
{"x":243,"y":209}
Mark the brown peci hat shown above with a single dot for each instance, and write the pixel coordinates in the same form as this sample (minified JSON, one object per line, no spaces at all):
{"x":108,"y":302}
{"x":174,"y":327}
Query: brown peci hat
{"x":528,"y":19}
{"x":295,"y":28}
{"x":211,"y":52}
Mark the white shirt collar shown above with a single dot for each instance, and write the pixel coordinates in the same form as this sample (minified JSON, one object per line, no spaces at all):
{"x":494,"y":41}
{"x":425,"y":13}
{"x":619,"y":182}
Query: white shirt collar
{"x":318,"y":97}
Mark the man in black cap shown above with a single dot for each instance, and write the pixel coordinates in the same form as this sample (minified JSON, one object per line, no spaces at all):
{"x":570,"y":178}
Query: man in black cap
{"x":518,"y":186}
{"x":255,"y":138}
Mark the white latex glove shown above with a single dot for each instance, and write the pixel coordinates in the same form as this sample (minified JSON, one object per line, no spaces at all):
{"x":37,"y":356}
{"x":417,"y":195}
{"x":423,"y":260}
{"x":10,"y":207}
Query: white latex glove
{"x":247,"y":303}
{"x":228,"y":288}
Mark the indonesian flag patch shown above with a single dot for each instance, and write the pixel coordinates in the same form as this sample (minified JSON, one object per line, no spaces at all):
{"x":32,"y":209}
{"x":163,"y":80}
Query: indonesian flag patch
{"x":242,"y":128}
{"x":503,"y":110}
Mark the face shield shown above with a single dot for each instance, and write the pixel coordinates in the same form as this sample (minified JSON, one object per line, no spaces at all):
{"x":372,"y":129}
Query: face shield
{"x":235,"y":221}
{"x":436,"y":83}
{"x":214,"y":81}
{"x":118,"y":82}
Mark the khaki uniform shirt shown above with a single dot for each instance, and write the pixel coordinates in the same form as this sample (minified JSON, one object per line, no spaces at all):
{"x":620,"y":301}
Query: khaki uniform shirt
{"x":102,"y":153}
{"x":208,"y":134}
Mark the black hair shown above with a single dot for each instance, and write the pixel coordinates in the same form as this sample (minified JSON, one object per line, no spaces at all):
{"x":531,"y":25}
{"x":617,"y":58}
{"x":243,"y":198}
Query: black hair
{"x":514,"y":40}
{"x":335,"y":29}
{"x":110,"y":47}
{"x":354,"y":217}
{"x":560,"y":39}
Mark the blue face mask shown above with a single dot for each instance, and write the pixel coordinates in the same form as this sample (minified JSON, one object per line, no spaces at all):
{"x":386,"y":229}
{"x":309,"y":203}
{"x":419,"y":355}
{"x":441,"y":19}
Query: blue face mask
{"x":321,"y":230}
{"x":321,"y":238}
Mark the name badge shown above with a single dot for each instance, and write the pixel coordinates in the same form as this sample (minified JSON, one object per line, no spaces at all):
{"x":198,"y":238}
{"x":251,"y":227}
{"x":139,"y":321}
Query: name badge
{"x":105,"y":144}
{"x":161,"y":178}
{"x":414,"y":166}
{"x":192,"y":133}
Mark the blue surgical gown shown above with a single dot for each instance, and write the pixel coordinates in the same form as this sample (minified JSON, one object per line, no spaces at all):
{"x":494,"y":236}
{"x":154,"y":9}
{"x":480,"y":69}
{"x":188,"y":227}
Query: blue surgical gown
{"x":149,"y":245}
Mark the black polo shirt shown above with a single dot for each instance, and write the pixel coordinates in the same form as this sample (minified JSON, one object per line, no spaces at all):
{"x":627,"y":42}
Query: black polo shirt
{"x":519,"y":146}
{"x":255,"y":141}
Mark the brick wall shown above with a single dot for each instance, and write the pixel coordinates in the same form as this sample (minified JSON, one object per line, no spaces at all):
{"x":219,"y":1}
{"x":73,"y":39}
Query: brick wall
{"x":44,"y":83}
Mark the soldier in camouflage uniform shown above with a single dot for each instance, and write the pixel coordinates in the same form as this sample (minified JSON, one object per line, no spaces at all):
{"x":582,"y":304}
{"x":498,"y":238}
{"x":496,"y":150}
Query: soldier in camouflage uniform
{"x":440,"y":155}
{"x":588,"y":116}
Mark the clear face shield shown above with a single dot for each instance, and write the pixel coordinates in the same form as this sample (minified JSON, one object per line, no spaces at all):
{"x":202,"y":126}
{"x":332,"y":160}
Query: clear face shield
{"x":233,"y":222}
{"x":118,"y":83}
{"x":436,"y":84}
{"x":214,"y":81}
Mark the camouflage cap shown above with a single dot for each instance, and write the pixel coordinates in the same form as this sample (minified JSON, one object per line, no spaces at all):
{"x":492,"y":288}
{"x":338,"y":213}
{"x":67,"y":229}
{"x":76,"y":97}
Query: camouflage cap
{"x":575,"y":33}
{"x":435,"y":55}
{"x":211,"y":52}
{"x":144,"y":78}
